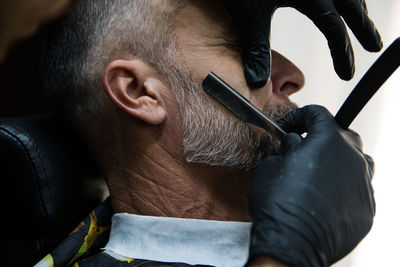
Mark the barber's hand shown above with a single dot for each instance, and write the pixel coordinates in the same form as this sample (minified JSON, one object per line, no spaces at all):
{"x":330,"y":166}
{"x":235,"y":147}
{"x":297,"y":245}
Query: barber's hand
{"x":312,"y":205}
{"x":253,"y":18}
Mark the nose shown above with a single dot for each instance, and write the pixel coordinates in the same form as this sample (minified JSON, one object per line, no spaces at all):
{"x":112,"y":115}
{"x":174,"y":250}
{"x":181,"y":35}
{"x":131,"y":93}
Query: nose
{"x":286,"y":78}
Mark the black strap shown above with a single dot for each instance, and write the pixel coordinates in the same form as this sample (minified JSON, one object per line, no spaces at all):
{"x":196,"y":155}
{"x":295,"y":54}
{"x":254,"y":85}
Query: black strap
{"x":377,"y":75}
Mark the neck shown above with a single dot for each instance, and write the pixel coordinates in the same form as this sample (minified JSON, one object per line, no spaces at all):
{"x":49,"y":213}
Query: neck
{"x":156,"y":182}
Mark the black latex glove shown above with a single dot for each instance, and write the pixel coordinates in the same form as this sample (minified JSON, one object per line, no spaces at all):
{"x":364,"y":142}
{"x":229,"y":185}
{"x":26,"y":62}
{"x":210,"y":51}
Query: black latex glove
{"x":312,"y":205}
{"x":253,"y":18}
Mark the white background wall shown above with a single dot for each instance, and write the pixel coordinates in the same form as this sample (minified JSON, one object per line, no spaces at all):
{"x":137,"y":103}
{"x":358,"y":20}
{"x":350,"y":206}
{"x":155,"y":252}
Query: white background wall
{"x":297,"y":38}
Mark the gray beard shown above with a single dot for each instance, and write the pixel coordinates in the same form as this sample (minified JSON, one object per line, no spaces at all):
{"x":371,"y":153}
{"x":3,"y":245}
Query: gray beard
{"x":214,"y":136}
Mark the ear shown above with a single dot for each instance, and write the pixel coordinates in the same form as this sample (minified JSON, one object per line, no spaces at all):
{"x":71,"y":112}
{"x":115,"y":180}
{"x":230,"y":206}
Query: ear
{"x":135,"y":87}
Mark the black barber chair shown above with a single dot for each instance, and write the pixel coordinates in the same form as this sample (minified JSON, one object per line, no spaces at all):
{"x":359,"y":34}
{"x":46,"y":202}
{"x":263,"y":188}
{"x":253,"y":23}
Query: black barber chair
{"x":48,"y":184}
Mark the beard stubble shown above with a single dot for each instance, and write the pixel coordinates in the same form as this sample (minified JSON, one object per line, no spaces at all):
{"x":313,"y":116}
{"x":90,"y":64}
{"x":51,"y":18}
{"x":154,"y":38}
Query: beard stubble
{"x":214,"y":136}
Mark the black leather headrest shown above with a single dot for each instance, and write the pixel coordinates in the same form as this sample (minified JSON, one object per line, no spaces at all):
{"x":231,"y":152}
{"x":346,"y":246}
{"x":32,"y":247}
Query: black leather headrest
{"x":49,"y":182}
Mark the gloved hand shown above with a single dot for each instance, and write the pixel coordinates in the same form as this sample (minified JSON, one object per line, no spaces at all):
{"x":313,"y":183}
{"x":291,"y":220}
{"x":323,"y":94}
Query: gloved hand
{"x":312,"y":205}
{"x":253,"y":18}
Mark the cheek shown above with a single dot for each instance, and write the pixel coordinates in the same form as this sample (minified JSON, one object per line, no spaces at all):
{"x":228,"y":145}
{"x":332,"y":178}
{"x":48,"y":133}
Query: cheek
{"x":228,"y":66}
{"x":225,"y":67}
{"x":263,"y":96}
{"x":231,"y":71}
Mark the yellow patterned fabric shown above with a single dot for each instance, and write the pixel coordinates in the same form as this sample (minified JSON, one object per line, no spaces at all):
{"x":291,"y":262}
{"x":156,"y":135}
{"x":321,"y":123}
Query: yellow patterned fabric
{"x":82,"y":248}
{"x":90,"y":235}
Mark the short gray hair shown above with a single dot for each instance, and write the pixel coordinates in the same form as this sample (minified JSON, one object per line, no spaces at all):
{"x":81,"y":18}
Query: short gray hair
{"x":80,"y":46}
{"x":98,"y":31}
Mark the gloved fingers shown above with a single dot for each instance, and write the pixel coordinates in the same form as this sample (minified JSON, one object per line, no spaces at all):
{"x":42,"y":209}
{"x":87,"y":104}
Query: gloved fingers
{"x":364,"y":5}
{"x":373,"y":203}
{"x":267,"y":168}
{"x":371,"y":165}
{"x":371,"y":197}
{"x":329,"y":22}
{"x":257,"y":64}
{"x":354,"y":138}
{"x":253,"y":20}
{"x":294,"y":122}
{"x":352,"y":132}
{"x":254,"y":36}
{"x":368,"y":184}
{"x":312,"y":119}
{"x":355,"y":14}
{"x":289,"y":142}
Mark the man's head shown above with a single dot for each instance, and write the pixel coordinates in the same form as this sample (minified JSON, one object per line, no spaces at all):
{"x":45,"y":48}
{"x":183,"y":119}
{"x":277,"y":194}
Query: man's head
{"x":128,"y":72}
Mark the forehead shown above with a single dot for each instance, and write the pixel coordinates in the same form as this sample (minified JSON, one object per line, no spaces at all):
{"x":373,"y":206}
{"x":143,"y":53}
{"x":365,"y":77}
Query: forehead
{"x":207,"y":40}
{"x":205,"y":22}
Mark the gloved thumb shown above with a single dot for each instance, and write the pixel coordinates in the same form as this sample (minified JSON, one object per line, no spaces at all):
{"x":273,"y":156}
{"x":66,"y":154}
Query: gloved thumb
{"x":289,"y":142}
{"x":308,"y":119}
{"x":257,"y":64}
{"x":256,"y":54}
{"x":253,"y":20}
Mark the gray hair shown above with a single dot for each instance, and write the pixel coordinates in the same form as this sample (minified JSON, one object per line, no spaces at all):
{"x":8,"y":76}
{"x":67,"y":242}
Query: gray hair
{"x":99,"y":31}
{"x":93,"y":33}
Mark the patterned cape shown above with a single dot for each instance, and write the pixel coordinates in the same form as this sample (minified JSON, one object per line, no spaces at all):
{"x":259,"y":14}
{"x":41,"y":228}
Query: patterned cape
{"x":83,"y":245}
